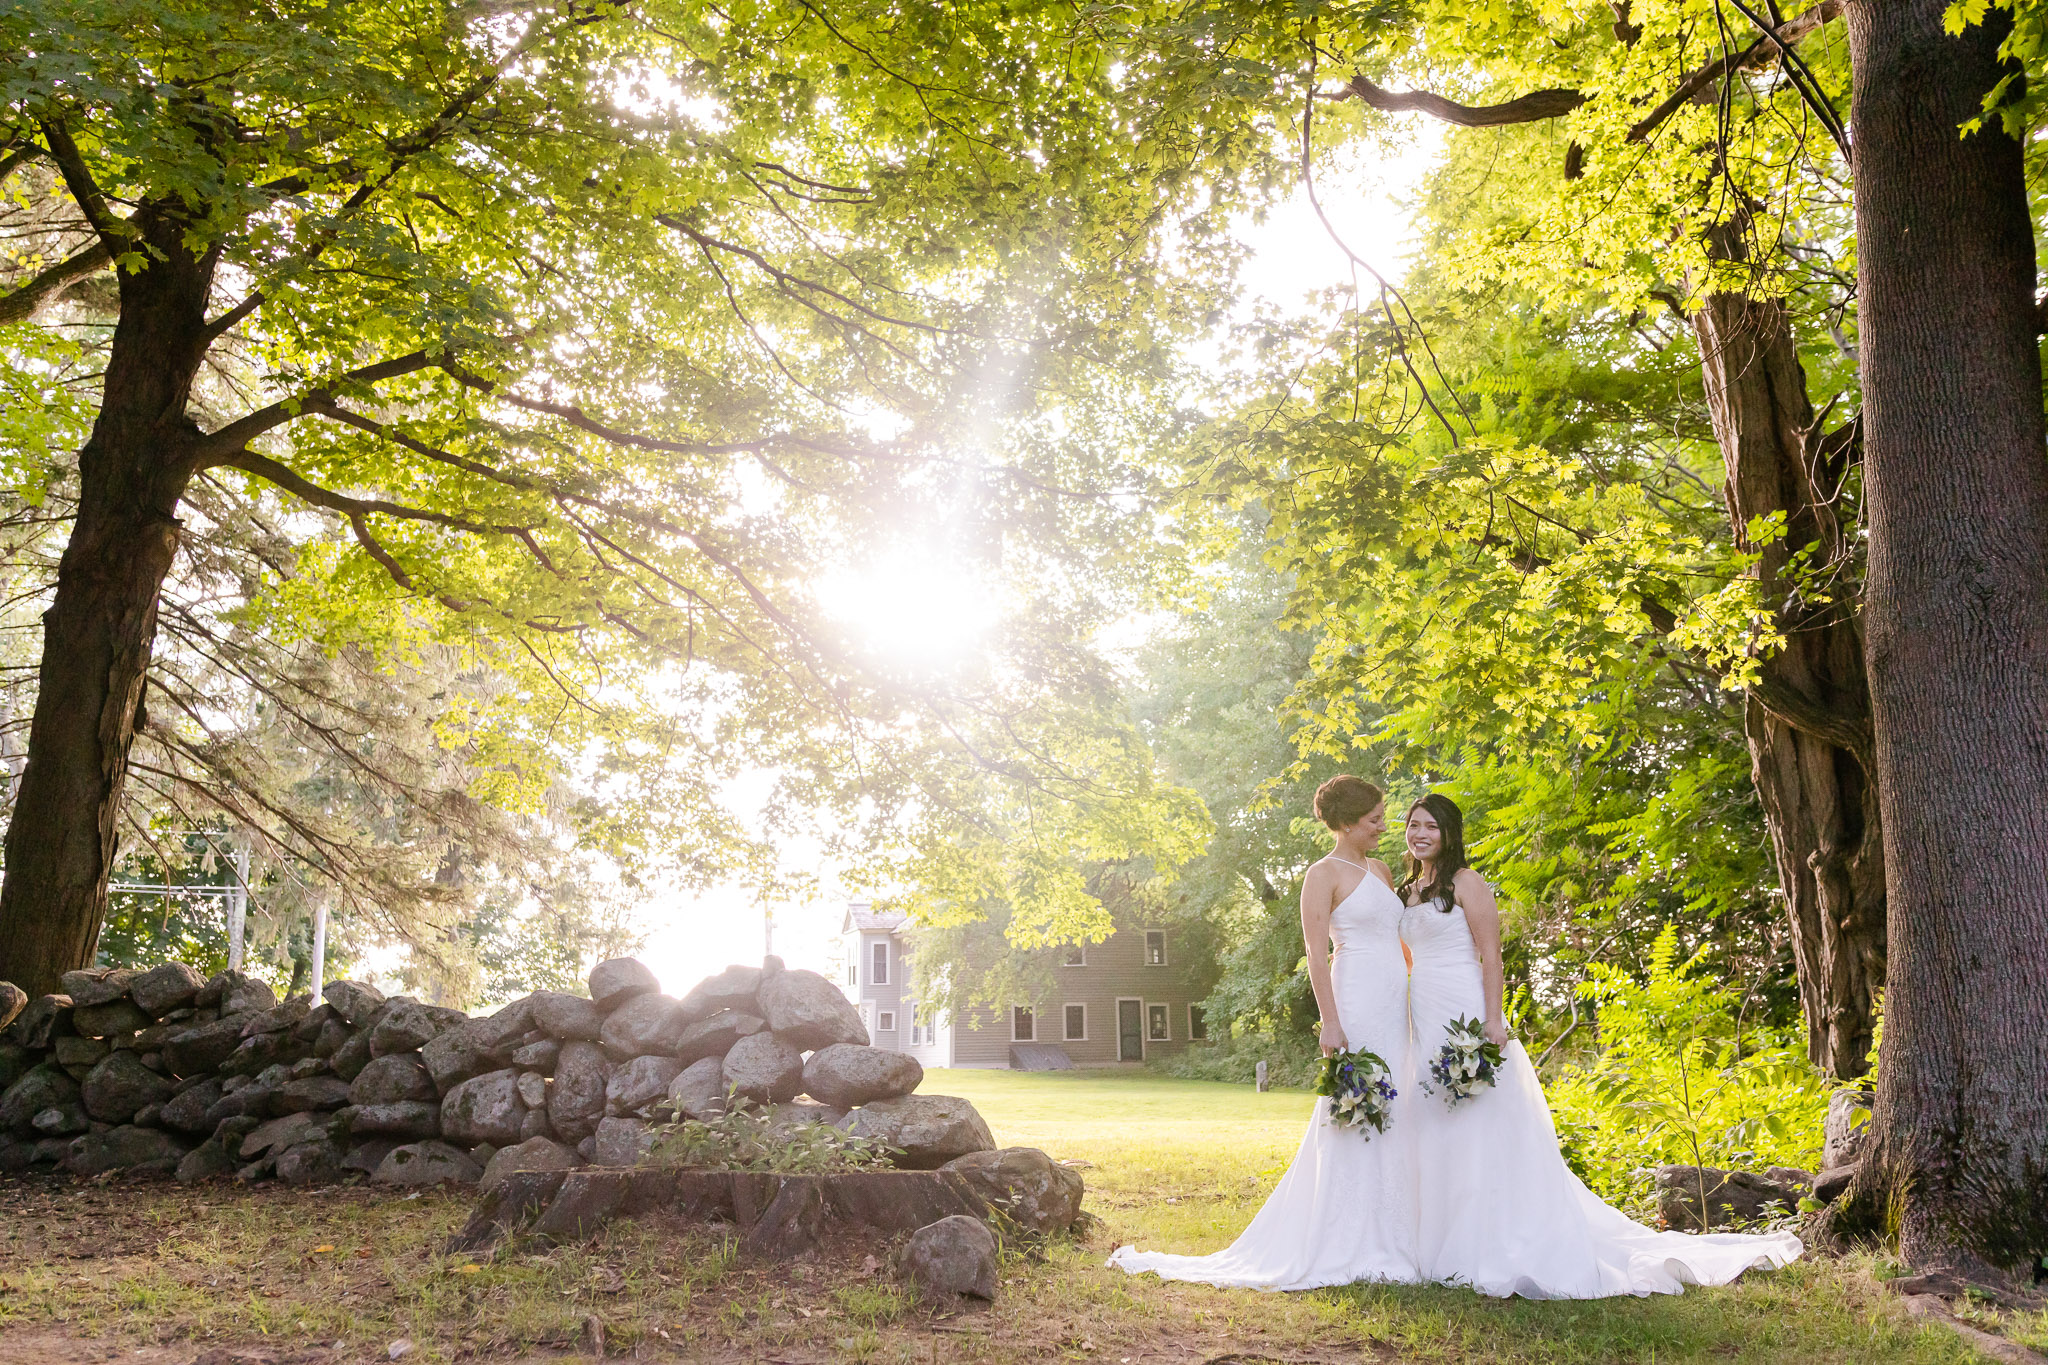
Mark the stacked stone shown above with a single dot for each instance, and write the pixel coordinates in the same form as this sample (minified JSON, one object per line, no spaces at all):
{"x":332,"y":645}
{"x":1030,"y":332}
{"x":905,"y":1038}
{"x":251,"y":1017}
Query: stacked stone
{"x":160,"y":1071}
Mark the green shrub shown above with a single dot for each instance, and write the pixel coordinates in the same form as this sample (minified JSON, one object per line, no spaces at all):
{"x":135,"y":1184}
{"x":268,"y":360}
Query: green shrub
{"x":1235,"y":1059}
{"x":748,"y":1137}
{"x":1675,"y":1083}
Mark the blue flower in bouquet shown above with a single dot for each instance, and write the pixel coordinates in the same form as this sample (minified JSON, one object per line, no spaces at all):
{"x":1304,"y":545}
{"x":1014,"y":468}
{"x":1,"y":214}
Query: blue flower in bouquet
{"x":1360,"y":1090}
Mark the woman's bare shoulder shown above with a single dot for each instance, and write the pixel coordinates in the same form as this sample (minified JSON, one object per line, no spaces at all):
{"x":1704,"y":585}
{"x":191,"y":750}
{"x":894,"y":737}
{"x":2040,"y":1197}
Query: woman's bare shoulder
{"x":1380,"y":870}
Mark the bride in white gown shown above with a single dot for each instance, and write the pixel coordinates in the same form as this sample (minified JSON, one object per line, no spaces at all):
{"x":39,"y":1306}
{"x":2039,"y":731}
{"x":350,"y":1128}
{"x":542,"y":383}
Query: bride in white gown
{"x":1345,"y":1210}
{"x":1499,"y":1209}
{"x":1478,"y":1194}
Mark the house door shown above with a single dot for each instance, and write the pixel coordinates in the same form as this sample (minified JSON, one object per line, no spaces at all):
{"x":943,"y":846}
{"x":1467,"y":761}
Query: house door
{"x":1130,"y":1038}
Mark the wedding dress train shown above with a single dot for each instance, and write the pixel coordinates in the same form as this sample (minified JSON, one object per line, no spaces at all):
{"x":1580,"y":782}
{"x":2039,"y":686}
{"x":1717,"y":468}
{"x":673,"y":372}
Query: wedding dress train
{"x":1499,"y":1209}
{"x":1345,"y":1210}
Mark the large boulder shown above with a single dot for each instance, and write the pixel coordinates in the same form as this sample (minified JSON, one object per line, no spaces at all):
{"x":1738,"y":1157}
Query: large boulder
{"x":698,"y":1091}
{"x":353,"y":1002}
{"x":539,"y":1055}
{"x":764,"y":1068}
{"x":307,"y":1094}
{"x":72,"y":1052}
{"x":396,"y":1119}
{"x":44,"y":1087}
{"x":426,"y":1163}
{"x":314,"y":1162}
{"x":714,"y":1036}
{"x":732,"y":989}
{"x":235,"y":992}
{"x":15,"y":1061}
{"x":202,"y":1048}
{"x":486,"y":1108}
{"x":635,"y":1087}
{"x":113,"y":1019}
{"x":646,"y":1025}
{"x":140,"y":1151}
{"x":953,"y":1256}
{"x":535,"y":1154}
{"x":187,"y":1110}
{"x":280,"y":1133}
{"x":567,"y":1018}
{"x":160,"y":990}
{"x":614,"y":982}
{"x":393,"y":1079}
{"x":807,"y":1011}
{"x":1731,"y":1196}
{"x":622,"y":1141}
{"x":119,"y":1086}
{"x":210,"y":1160}
{"x":44,"y":1018}
{"x":410,"y":1026}
{"x":13,"y":1000}
{"x":926,"y":1130}
{"x":96,"y":985}
{"x":1035,"y":1191}
{"x":846,"y":1074}
{"x":576,"y":1101}
{"x":349,"y":1059}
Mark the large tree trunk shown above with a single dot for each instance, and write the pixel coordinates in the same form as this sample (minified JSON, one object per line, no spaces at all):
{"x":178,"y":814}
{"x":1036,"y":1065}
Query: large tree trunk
{"x":98,"y":632}
{"x":1808,"y":719}
{"x":1956,"y":619}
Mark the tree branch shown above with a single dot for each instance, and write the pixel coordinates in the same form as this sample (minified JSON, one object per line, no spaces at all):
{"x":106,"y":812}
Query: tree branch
{"x":220,"y":447}
{"x":84,"y":189}
{"x":46,"y":285}
{"x":1530,"y":108}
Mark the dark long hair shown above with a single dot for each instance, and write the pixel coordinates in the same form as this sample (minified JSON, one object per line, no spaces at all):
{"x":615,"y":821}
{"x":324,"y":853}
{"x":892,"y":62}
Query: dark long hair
{"x":1450,"y":857}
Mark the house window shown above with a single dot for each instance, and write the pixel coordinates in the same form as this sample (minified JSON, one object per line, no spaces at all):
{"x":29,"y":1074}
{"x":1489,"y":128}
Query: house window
{"x":887,"y":1022}
{"x":1155,"y":947}
{"x":1076,"y":955}
{"x":1021,"y":1024}
{"x":880,"y":976}
{"x":1198,"y":1024}
{"x":931,"y":1033}
{"x":1077,"y":1023}
{"x":1155,"y":1024}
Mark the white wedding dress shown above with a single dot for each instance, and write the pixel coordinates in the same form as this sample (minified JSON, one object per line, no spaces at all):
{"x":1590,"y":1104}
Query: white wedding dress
{"x":1500,"y":1211}
{"x":1345,"y":1210}
{"x":1478,"y":1195}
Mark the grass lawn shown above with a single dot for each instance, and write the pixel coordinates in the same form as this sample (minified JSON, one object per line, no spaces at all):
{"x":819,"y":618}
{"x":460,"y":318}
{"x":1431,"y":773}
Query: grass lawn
{"x":162,"y":1275}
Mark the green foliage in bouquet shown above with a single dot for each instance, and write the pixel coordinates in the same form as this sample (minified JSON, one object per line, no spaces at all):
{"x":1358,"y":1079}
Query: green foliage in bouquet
{"x":1678,"y":1080}
{"x":750,"y":1137}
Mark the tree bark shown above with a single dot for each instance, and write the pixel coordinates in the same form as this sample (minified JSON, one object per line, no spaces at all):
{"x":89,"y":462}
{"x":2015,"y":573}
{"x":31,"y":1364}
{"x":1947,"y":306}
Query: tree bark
{"x":1819,"y":805}
{"x":99,"y":629}
{"x":1956,"y":620}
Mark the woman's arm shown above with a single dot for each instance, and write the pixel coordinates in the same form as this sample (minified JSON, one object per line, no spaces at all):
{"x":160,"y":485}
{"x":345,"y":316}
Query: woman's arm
{"x":1484,"y":918}
{"x":1316,"y":904}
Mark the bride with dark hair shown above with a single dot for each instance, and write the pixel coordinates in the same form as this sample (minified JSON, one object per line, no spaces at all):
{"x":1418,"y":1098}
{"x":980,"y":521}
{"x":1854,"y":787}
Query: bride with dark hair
{"x":1498,"y":1209}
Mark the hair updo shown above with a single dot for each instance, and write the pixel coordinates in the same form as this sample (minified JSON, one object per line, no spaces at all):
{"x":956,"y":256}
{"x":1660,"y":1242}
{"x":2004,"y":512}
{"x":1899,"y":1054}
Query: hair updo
{"x":1343,"y":801}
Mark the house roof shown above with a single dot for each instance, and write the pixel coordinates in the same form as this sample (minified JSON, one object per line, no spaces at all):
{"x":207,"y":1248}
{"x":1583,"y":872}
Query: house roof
{"x":859,"y":916}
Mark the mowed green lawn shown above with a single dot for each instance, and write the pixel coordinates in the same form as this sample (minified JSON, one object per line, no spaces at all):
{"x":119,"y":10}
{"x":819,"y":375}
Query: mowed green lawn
{"x":1183,"y":1165}
{"x":1177,"y":1165}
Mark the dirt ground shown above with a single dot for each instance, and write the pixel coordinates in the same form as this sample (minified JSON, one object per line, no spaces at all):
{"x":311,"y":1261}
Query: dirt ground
{"x":158,"y":1274}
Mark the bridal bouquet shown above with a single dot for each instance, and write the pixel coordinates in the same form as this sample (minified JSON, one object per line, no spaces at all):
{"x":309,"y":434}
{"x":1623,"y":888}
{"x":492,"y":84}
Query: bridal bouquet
{"x":1360,"y":1094}
{"x":1465,"y":1063}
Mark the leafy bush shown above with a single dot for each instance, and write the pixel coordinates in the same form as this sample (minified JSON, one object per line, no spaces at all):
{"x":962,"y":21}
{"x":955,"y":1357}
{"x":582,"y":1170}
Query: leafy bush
{"x":748,"y":1137}
{"x":1236,"y":1059}
{"x":1674,"y":1083}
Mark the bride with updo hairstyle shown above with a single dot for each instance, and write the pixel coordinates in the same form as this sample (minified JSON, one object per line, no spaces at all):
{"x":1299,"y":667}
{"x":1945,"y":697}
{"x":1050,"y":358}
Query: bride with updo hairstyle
{"x":1345,"y":1211}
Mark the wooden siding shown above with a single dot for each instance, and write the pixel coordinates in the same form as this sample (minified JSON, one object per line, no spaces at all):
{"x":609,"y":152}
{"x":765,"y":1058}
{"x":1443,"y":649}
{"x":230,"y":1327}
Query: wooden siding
{"x":1115,"y":969}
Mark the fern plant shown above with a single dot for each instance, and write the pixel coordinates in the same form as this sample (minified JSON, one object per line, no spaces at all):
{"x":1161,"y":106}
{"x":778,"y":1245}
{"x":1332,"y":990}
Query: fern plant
{"x":1675,"y":1083}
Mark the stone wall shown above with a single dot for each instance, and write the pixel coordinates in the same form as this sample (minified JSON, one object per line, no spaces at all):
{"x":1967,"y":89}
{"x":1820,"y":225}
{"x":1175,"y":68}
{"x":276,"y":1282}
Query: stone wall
{"x":162,"y":1072}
